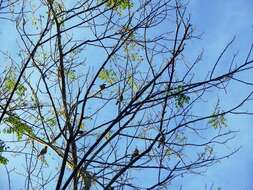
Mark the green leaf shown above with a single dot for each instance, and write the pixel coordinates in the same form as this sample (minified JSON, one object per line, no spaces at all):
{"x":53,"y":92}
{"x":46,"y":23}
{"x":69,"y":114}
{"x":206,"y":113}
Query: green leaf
{"x":21,"y":89}
{"x":119,"y":4}
{"x":3,"y":160}
{"x":51,"y":121}
{"x":108,"y":76}
{"x":108,"y":135}
{"x":217,"y":121}
{"x":87,"y":179}
{"x":34,"y":21}
{"x":10,"y":82}
{"x":168,"y":152}
{"x":17,"y":127}
{"x":71,"y":74}
{"x":132,"y":83}
{"x":181,"y":99}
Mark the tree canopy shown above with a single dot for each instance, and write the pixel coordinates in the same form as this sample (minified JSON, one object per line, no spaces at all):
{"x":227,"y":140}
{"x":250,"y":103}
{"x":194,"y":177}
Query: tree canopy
{"x":98,"y":94}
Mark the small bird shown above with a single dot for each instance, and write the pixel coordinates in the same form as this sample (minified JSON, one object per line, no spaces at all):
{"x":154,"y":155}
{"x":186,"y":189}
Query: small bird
{"x":161,"y":140}
{"x":42,"y":152}
{"x":80,"y":132}
{"x":102,"y":86}
{"x":120,"y":99}
{"x":135,"y":154}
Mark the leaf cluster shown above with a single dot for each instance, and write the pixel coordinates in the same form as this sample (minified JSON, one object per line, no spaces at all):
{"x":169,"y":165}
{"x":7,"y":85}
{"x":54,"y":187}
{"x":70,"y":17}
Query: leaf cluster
{"x":17,"y":127}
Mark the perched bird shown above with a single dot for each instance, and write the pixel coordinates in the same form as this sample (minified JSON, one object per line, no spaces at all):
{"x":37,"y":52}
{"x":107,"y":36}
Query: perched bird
{"x":80,"y":132}
{"x":42,"y":152}
{"x":102,"y":86}
{"x":135,"y":153}
{"x":161,"y":140}
{"x":120,"y":99}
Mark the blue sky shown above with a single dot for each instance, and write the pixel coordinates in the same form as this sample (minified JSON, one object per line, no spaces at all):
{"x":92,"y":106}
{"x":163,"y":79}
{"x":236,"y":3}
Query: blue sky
{"x":219,"y":21}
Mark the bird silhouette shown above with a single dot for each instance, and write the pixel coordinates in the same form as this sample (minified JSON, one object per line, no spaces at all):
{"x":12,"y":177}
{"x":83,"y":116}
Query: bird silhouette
{"x":42,"y":152}
{"x":120,"y":99}
{"x":161,"y":141}
{"x":135,"y":153}
{"x":102,"y":86}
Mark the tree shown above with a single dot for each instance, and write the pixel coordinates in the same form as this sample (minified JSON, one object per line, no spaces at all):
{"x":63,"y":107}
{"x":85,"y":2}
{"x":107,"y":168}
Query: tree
{"x":98,"y":94}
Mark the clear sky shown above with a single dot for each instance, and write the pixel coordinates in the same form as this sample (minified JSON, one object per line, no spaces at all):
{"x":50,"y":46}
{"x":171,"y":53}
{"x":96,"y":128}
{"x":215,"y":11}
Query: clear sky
{"x":219,"y":21}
